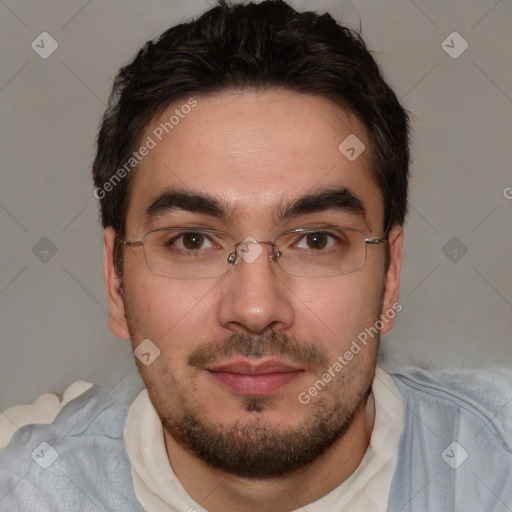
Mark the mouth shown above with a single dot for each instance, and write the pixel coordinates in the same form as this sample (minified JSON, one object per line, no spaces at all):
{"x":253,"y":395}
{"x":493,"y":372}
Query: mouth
{"x":254,"y":377}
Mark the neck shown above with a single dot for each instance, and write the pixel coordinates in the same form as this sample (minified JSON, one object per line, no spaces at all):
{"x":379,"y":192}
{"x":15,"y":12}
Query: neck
{"x":219,"y":492}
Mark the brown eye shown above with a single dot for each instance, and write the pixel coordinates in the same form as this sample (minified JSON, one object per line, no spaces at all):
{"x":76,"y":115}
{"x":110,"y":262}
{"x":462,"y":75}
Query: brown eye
{"x":188,"y":241}
{"x":192,"y":241}
{"x":317,"y":240}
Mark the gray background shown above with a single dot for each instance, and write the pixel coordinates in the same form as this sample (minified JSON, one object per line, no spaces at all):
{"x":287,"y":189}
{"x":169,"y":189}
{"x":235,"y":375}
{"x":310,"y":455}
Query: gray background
{"x":457,"y":307}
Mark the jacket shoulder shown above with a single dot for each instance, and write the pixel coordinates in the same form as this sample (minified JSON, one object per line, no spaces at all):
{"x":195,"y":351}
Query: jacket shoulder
{"x":483,"y":396}
{"x":78,"y":462}
{"x":454,"y":452}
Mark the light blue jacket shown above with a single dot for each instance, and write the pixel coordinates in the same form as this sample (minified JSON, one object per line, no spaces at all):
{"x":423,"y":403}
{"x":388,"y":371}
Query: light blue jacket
{"x":454,"y":454}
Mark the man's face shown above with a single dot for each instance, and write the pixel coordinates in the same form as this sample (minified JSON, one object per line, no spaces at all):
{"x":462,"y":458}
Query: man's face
{"x":237,"y":350}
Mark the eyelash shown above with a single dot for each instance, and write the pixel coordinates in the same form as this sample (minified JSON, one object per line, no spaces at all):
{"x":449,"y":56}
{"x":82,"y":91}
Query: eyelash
{"x":300,"y":237}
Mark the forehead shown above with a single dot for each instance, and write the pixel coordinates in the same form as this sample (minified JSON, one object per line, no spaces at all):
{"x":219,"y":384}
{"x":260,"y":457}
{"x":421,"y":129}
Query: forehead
{"x":254,"y":152}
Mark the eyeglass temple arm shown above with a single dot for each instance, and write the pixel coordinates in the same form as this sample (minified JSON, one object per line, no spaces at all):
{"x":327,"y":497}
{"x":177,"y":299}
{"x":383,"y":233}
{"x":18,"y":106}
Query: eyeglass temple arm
{"x":134,"y":243}
{"x":382,"y":239}
{"x":374,"y":241}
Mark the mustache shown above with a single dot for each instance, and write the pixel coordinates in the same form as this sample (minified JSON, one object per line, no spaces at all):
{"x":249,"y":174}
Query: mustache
{"x":273,"y":344}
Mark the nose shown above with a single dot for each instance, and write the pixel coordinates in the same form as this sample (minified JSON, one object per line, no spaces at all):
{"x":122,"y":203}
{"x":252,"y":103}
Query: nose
{"x":255,"y":298}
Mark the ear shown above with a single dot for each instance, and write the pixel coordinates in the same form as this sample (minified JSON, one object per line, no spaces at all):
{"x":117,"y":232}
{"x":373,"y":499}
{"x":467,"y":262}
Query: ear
{"x":392,"y":291}
{"x":116,"y":317}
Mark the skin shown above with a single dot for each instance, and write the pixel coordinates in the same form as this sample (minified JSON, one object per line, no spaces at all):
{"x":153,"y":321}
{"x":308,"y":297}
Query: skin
{"x":217,"y":148}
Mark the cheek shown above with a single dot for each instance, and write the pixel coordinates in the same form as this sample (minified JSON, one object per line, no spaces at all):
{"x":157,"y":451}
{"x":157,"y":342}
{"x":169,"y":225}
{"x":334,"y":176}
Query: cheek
{"x":162,"y":302}
{"x":171,"y":313}
{"x":344,"y":305}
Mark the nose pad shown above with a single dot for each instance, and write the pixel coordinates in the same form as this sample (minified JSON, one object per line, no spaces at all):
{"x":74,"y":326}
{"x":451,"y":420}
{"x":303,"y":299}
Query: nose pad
{"x":275,"y":255}
{"x":251,"y":251}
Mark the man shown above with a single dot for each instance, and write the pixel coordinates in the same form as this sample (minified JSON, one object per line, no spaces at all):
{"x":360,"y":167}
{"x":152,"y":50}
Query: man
{"x":252,"y":170}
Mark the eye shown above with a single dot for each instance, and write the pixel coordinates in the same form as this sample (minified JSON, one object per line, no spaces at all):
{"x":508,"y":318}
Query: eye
{"x":319,"y":240}
{"x":189,"y":241}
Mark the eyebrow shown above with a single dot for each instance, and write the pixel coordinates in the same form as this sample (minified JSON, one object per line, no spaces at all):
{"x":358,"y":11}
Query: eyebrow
{"x":333,"y":198}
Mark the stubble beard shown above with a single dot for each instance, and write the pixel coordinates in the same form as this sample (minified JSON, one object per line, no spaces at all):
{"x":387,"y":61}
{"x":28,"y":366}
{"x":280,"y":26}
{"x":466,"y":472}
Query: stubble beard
{"x":257,"y":449}
{"x":253,"y":447}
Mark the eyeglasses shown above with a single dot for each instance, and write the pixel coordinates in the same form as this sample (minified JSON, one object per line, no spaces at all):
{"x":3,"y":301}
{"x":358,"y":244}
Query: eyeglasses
{"x":196,"y":253}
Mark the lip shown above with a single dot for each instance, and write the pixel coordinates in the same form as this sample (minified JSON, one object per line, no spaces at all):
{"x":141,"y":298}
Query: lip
{"x":254,"y":378}
{"x":257,"y":366}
